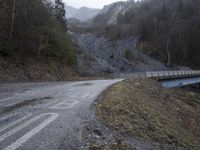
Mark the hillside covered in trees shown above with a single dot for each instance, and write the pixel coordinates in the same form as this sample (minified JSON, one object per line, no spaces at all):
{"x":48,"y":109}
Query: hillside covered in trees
{"x":169,"y":30}
{"x":34,"y":43}
{"x":34,"y":28}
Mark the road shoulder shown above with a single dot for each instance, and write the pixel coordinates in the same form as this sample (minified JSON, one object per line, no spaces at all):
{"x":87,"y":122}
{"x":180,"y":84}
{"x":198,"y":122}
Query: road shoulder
{"x":140,"y":112}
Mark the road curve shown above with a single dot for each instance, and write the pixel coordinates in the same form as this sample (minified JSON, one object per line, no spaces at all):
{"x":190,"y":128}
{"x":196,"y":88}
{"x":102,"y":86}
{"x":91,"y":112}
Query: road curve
{"x":46,"y":116}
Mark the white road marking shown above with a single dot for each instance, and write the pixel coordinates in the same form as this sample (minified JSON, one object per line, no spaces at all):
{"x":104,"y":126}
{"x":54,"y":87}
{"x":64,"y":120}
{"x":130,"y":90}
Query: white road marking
{"x":20,"y":127}
{"x":14,"y":123}
{"x":85,"y":95}
{"x":34,"y":131}
{"x":65,"y":104}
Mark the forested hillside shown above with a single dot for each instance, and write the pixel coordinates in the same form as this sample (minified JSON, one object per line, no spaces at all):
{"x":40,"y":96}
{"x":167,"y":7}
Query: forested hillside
{"x":169,"y":29}
{"x":34,"y":43}
{"x":34,"y":28}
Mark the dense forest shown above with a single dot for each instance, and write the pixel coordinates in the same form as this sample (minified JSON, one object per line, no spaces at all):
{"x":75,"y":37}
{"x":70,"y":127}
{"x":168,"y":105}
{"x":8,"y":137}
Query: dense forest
{"x":169,"y":30}
{"x":34,"y":28}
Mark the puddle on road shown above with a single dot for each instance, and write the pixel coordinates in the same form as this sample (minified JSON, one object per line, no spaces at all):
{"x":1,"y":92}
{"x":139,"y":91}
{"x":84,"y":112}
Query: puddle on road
{"x":40,"y":101}
{"x":84,"y":84}
{"x":32,"y":102}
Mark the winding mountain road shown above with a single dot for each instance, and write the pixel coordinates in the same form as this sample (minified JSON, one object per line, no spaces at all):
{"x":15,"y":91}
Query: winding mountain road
{"x":46,"y":116}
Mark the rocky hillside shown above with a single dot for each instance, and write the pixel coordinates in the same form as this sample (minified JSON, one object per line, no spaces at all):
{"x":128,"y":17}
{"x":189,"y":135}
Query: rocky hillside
{"x":99,"y":55}
{"x":82,"y":14}
{"x":109,"y":14}
{"x":169,"y":29}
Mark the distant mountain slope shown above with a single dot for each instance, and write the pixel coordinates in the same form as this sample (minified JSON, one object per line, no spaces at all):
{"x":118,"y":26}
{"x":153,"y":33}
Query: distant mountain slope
{"x":109,"y":14}
{"x":83,"y":13}
{"x":169,"y":29}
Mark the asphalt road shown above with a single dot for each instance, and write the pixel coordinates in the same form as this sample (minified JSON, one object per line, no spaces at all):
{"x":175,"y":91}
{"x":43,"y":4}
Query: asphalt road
{"x":46,"y":116}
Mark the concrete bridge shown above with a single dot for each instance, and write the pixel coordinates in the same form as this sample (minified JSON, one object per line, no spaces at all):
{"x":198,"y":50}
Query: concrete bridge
{"x":172,"y":79}
{"x":169,"y":79}
{"x":172,"y":74}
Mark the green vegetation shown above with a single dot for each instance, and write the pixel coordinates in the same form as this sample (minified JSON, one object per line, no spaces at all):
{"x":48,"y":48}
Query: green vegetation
{"x":141,"y":108}
{"x":35,"y":28}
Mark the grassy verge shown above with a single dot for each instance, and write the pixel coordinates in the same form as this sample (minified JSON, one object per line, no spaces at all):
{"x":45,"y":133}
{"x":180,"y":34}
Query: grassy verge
{"x":111,"y":146}
{"x":141,"y":108}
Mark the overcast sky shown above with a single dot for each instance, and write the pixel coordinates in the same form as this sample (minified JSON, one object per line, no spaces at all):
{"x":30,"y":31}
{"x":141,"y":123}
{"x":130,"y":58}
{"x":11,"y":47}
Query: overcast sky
{"x":89,"y":3}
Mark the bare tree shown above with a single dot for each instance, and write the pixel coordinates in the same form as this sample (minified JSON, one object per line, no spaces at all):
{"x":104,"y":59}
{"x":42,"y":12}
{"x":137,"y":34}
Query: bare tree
{"x":168,"y":52}
{"x":4,"y":4}
{"x":12,"y":19}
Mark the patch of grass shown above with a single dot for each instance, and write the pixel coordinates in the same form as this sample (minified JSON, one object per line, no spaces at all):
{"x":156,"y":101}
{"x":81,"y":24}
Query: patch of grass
{"x":143,"y":109}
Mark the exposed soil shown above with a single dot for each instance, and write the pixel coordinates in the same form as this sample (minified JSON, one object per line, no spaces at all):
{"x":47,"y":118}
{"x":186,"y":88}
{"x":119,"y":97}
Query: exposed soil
{"x":142,"y":109}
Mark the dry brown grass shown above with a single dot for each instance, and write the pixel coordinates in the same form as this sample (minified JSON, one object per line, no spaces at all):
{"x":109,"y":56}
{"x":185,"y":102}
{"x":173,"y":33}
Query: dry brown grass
{"x":142,"y":108}
{"x":111,"y":146}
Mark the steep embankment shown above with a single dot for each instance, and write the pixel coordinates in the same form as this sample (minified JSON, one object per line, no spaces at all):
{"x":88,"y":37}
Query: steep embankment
{"x":32,"y":69}
{"x":34,"y":45}
{"x":143,"y":110}
{"x":99,"y":56}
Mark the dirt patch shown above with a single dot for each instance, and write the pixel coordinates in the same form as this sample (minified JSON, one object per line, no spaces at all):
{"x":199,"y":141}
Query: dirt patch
{"x":85,"y":84}
{"x":142,"y":108}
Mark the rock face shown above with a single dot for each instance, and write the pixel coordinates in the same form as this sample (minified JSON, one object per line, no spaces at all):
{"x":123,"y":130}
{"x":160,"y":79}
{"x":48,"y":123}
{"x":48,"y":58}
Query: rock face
{"x":83,"y":13}
{"x":100,"y":56}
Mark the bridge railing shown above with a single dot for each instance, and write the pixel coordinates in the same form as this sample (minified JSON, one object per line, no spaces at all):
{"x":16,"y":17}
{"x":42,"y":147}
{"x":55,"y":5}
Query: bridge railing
{"x":171,"y":74}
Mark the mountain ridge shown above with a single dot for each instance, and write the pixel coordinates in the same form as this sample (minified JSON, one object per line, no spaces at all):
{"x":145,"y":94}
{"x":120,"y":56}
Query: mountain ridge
{"x":83,"y":13}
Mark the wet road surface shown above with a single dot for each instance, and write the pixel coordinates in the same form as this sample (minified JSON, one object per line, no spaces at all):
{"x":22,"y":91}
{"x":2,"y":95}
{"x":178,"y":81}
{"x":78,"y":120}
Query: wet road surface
{"x":46,"y":116}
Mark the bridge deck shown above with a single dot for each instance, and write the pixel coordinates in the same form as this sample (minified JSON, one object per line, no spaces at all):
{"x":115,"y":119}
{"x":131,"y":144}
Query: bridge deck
{"x":172,"y":74}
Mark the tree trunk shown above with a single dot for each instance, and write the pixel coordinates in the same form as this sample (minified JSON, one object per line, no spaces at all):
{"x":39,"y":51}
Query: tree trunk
{"x":168,"y":53}
{"x":12,"y":19}
{"x":39,"y":50}
{"x":4,"y":4}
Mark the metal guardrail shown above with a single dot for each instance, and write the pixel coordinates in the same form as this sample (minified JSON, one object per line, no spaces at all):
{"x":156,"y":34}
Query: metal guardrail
{"x":171,"y":74}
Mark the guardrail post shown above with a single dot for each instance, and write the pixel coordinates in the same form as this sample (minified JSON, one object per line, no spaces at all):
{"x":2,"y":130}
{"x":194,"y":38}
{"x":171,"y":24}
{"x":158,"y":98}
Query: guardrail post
{"x":199,"y":87}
